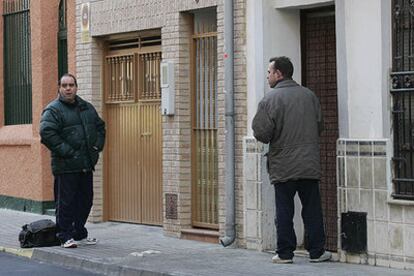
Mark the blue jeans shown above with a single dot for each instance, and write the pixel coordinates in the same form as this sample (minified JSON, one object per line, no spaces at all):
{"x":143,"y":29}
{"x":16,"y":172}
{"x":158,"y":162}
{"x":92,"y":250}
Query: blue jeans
{"x":308,"y":190}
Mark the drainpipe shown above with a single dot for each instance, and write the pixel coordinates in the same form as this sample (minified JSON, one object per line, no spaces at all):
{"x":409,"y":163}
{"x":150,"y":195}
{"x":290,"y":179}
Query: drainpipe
{"x":230,"y":232}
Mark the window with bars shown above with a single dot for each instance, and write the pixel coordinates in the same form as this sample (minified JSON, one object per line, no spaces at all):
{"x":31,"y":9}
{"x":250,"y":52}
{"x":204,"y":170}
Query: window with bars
{"x":62,"y":40}
{"x":121,"y":79}
{"x":17,"y":62}
{"x":150,"y":77}
{"x":133,"y":70}
{"x":402,"y":91}
{"x":205,"y":116}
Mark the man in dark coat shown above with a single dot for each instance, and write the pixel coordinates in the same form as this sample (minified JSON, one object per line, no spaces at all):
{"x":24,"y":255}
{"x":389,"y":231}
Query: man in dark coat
{"x":289,"y":119}
{"x":72,"y":130}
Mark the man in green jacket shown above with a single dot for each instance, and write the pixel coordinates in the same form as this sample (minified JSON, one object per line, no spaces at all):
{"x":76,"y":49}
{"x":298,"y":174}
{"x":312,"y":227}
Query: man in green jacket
{"x":72,"y":130}
{"x":289,"y":119}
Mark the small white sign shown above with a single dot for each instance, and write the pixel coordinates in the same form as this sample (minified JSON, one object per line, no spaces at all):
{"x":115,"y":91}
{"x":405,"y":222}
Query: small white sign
{"x":85,"y":23}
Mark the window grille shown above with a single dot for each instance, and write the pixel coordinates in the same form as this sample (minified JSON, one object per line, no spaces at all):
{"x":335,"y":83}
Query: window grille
{"x":150,"y":67}
{"x":62,"y":40}
{"x":17,"y":62}
{"x":205,"y":116}
{"x":132,"y":67}
{"x":121,"y":81}
{"x":135,"y":42}
{"x":402,"y":91}
{"x":133,"y":77}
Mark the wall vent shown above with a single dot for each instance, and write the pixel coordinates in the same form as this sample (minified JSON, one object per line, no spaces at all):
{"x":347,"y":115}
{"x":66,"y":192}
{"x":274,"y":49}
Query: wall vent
{"x":171,"y":202}
{"x":354,"y":232}
{"x":137,"y":42}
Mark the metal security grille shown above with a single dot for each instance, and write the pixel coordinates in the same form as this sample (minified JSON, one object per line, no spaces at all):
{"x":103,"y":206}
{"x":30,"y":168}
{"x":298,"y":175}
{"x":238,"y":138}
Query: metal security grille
{"x":150,"y":67}
{"x":121,"y":81}
{"x":133,"y":156}
{"x":17,"y":63}
{"x":402,"y":91}
{"x":131,"y":71}
{"x":62,"y":40}
{"x":205,"y":157}
{"x":135,"y":41}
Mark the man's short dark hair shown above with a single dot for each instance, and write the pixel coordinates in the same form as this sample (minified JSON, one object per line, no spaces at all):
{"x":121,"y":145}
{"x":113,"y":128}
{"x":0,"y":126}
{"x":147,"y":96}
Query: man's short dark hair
{"x":284,"y":65}
{"x":68,"y":75}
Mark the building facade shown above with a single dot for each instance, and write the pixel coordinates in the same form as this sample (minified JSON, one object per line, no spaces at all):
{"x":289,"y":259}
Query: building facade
{"x":164,"y":169}
{"x":37,"y":39}
{"x":355,"y":55}
{"x":157,"y":73}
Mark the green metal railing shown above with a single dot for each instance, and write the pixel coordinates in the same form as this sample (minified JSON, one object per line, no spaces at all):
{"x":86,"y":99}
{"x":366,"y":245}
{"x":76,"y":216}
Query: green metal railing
{"x":17,"y":63}
{"x":62,"y":40}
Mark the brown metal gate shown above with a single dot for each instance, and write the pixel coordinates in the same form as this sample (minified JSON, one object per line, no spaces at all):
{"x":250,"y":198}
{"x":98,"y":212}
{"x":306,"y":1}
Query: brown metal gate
{"x":204,"y":120}
{"x":134,"y":140}
{"x":319,"y":74}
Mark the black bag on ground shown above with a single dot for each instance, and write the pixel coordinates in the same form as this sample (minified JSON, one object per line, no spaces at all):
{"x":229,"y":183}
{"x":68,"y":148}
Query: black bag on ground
{"x":38,"y":234}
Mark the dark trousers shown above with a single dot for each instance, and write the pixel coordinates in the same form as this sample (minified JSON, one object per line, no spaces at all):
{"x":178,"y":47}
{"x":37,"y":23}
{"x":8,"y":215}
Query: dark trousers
{"x":309,"y":195}
{"x":73,"y":202}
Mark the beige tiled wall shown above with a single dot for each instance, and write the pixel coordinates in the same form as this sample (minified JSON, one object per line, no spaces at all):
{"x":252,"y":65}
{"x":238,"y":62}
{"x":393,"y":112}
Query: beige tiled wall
{"x":258,"y":198}
{"x":364,"y":185}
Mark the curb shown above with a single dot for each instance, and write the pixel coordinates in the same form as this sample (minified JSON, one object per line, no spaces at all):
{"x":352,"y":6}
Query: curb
{"x":91,"y":266}
{"x":27,"y":252}
{"x":78,"y":263}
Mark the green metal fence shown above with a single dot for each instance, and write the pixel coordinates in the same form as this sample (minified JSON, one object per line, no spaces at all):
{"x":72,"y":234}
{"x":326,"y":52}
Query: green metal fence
{"x":62,"y":40}
{"x":17,"y":62}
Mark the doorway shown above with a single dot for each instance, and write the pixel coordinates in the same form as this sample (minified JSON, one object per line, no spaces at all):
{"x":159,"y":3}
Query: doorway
{"x":133,"y":156}
{"x":319,"y":74}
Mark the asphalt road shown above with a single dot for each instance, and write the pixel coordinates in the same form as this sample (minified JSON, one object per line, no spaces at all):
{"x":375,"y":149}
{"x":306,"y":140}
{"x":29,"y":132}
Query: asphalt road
{"x":14,"y":266}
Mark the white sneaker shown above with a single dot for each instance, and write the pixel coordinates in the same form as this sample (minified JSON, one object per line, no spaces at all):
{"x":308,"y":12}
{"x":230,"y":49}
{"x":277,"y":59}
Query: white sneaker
{"x":69,"y":244}
{"x":87,"y":241}
{"x":277,"y":260}
{"x":326,"y":256}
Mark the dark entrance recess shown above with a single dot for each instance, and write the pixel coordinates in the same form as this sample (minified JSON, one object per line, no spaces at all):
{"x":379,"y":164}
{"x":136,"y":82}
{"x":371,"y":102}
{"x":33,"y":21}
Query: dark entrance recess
{"x":319,"y":74}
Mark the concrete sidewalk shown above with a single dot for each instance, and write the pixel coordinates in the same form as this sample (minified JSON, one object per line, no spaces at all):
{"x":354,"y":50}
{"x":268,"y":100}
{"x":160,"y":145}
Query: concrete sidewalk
{"x":129,"y":249}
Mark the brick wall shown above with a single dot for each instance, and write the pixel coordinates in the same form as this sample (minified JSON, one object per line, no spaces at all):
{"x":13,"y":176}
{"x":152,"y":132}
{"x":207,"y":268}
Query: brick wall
{"x":88,"y":71}
{"x":111,"y":17}
{"x":177,"y":133}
